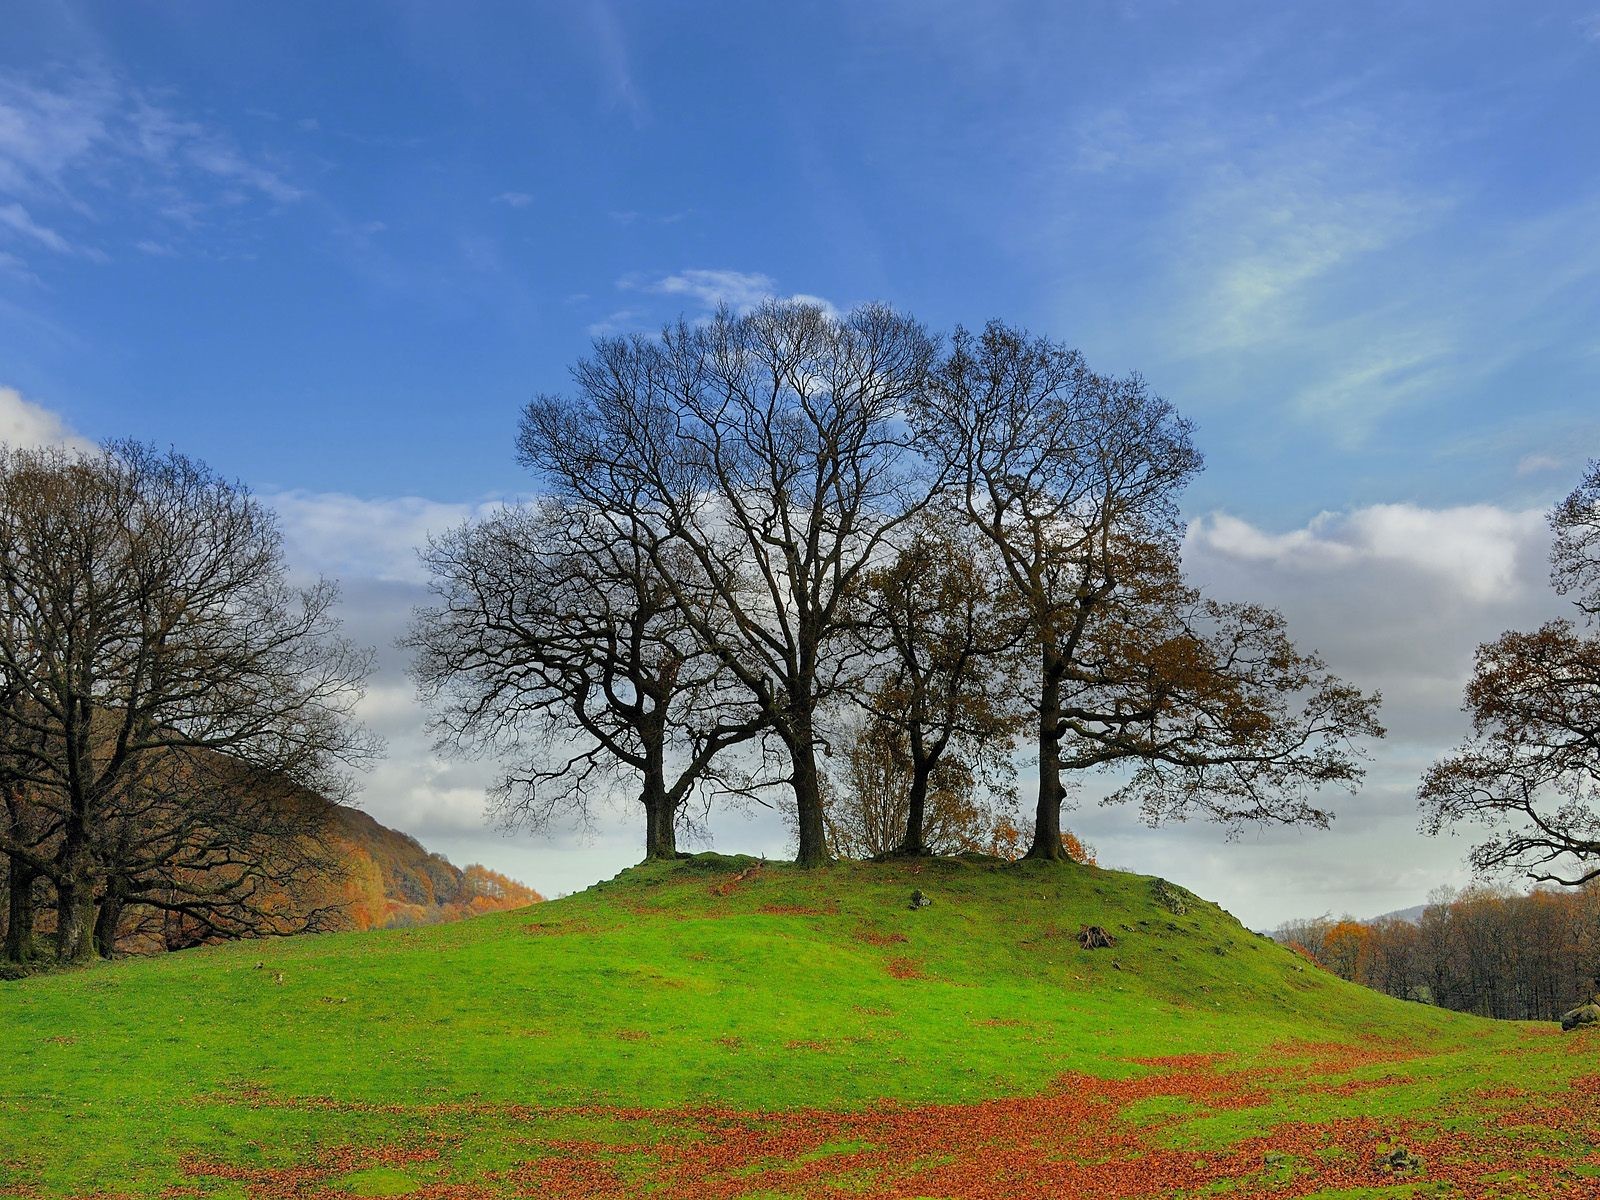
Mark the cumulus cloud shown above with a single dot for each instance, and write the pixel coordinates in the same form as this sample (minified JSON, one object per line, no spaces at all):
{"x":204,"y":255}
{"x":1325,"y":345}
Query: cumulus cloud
{"x":26,"y":424}
{"x":333,"y":533}
{"x":1478,"y":550}
{"x":1396,"y":597}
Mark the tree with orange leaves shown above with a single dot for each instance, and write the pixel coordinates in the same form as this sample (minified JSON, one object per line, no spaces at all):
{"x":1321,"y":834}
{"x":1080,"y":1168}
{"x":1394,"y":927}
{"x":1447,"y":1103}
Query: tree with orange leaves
{"x":1346,"y":948}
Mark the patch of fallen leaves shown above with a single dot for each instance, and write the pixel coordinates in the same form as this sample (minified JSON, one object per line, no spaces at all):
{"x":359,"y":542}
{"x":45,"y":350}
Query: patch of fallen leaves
{"x":878,"y":937}
{"x":1070,"y":1143}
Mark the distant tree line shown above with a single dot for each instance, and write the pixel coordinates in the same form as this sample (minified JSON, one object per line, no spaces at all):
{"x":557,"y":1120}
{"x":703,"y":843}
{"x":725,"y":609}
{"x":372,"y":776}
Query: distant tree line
{"x":1486,"y":950}
{"x":781,"y":539}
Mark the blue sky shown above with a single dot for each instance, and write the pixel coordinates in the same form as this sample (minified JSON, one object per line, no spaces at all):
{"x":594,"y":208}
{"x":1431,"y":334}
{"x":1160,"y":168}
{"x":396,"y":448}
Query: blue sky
{"x":331,"y":249}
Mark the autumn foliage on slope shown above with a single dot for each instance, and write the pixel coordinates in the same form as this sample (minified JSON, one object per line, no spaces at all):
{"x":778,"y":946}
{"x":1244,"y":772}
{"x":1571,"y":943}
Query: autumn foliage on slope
{"x":391,"y":880}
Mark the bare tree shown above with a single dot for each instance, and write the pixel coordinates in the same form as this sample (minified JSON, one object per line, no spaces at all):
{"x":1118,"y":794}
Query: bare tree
{"x":557,"y":644}
{"x":1529,"y":771}
{"x":1575,"y":554}
{"x":946,"y":635}
{"x":145,"y":614}
{"x":1074,"y":478}
{"x":770,"y":447}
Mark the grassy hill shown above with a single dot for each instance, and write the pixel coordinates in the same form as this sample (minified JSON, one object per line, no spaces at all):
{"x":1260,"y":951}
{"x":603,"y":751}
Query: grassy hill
{"x":719,"y":1028}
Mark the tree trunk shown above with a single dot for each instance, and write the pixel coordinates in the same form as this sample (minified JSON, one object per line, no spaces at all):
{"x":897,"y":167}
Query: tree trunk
{"x":107,"y":923}
{"x":74,"y":920}
{"x":660,"y":824}
{"x":813,"y":851}
{"x":1047,"y":818}
{"x":19,"y":914}
{"x":74,"y":903}
{"x":916,"y":811}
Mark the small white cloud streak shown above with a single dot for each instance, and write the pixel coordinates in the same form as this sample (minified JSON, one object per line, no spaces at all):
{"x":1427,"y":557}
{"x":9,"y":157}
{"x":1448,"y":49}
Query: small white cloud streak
{"x":1538,"y":464}
{"x":611,"y":49}
{"x":712,"y":288}
{"x":15,"y":218}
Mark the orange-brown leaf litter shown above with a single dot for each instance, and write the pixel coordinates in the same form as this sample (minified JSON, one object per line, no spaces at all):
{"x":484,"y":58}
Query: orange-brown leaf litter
{"x":1078,"y":1140}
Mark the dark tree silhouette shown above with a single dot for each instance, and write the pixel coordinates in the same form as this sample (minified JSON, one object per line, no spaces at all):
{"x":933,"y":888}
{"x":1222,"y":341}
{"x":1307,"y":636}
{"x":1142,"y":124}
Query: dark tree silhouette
{"x":146,"y":622}
{"x":946,"y":636}
{"x":768,"y":451}
{"x":556,"y":644}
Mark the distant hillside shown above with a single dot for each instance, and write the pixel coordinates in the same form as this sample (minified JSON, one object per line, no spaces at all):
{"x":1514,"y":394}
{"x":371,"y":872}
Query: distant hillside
{"x":1412,"y":914}
{"x":394,"y":880}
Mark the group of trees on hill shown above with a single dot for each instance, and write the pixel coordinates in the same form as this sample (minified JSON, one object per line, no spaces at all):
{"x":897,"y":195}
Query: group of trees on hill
{"x":830,"y":563}
{"x":172,"y":709}
{"x":1487,"y":950}
{"x":780,"y":537}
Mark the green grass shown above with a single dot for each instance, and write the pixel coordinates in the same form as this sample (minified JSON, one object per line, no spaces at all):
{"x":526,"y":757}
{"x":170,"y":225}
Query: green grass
{"x":453,"y":1044}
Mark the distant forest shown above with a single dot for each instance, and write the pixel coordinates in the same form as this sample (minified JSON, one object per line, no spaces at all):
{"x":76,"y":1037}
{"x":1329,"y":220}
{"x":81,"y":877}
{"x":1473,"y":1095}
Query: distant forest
{"x":1485,"y":950}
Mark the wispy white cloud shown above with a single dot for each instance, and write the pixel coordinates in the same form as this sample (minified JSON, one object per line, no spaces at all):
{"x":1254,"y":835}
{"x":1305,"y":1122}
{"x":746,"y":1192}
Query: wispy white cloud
{"x":15,"y":218}
{"x":1337,"y":257}
{"x":611,"y":49}
{"x":514,"y":199}
{"x":1538,"y":464}
{"x":624,"y":320}
{"x":712,"y":288}
{"x":84,"y":146}
{"x":629,"y":216}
